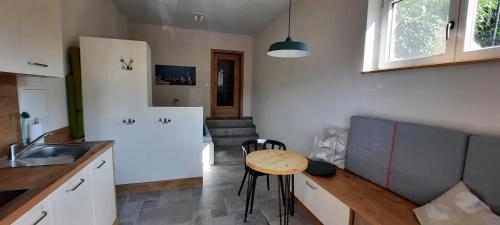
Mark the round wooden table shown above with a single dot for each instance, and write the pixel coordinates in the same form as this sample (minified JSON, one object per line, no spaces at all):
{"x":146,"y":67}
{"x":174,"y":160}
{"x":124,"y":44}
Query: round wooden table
{"x":284,"y":164}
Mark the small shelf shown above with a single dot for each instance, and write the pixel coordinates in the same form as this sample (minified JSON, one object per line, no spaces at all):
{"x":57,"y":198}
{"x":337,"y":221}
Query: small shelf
{"x":431,"y":66}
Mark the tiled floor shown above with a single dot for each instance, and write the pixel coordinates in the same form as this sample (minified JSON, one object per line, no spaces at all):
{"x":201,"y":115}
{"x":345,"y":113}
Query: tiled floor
{"x":214,"y":204}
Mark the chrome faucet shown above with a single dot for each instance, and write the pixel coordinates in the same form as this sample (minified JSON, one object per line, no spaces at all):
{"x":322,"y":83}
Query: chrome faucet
{"x":13,"y":153}
{"x":13,"y":156}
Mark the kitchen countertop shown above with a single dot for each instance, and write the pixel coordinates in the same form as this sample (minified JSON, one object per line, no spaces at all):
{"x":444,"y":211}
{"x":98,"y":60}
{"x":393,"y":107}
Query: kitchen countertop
{"x":41,"y":182}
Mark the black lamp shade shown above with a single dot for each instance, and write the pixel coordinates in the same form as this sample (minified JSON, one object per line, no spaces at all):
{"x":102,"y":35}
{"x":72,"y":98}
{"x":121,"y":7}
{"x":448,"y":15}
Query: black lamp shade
{"x":288,"y":49}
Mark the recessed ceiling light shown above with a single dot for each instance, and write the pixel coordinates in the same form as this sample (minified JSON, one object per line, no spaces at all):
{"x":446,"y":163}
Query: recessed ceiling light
{"x":198,"y":17}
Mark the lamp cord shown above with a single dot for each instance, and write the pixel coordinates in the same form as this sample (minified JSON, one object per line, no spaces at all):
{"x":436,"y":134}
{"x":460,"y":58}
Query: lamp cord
{"x":289,"y":17}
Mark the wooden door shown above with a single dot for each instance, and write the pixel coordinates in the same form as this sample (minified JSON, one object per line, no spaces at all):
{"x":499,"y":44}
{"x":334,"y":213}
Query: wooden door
{"x":226,"y":84}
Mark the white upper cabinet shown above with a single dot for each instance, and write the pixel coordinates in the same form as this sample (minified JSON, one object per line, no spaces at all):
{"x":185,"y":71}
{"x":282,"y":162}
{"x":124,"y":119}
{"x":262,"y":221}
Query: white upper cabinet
{"x":10,"y":41}
{"x":31,"y":37}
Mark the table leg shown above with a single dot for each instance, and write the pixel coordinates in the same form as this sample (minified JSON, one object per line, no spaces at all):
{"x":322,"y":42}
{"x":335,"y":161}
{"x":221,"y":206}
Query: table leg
{"x":292,"y":211}
{"x":279,"y":198}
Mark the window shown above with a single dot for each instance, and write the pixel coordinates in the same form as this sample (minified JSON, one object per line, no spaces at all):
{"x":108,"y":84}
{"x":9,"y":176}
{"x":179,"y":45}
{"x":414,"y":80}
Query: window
{"x":409,"y":33}
{"x":417,"y":32}
{"x":481,"y":29}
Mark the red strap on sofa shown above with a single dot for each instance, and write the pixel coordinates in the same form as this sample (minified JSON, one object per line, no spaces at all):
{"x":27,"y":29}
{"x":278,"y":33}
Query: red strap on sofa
{"x":389,"y":167}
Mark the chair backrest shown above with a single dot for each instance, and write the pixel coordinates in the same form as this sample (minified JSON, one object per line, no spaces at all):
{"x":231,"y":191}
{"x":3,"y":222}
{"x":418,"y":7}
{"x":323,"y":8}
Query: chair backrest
{"x":272,"y":144}
{"x":249,"y":146}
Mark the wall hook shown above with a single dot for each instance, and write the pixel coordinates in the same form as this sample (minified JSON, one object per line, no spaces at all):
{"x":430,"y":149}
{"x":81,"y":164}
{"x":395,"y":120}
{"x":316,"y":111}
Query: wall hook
{"x":127,"y":66}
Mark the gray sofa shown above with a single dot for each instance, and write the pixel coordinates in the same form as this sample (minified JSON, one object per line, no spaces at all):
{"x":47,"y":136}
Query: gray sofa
{"x":421,"y":162}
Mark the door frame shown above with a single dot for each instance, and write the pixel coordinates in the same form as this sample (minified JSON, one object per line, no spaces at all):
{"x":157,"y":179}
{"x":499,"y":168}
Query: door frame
{"x":213,"y":74}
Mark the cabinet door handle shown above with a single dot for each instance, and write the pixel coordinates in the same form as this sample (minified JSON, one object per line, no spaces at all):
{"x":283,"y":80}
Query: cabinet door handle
{"x":44,"y":214}
{"x":311,"y":186}
{"x":102,"y":164}
{"x":77,"y":186}
{"x":37,"y":64}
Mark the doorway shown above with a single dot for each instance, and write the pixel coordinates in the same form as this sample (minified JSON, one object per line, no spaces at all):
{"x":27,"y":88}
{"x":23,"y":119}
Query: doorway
{"x":226,"y":84}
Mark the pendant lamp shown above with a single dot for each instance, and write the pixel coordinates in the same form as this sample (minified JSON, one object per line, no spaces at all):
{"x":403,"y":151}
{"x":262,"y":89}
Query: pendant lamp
{"x":288,"y":48}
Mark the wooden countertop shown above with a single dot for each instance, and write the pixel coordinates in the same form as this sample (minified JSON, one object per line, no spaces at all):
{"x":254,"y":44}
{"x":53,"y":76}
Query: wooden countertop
{"x":277,"y":162}
{"x":41,"y":181}
{"x":370,"y":201}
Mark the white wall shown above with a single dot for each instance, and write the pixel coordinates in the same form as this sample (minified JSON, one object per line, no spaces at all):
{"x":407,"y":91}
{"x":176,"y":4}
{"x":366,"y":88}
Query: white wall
{"x":80,"y":18}
{"x":185,"y":47}
{"x":294,"y":99}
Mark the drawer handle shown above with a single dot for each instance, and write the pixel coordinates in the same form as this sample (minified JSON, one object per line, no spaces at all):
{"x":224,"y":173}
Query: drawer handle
{"x":311,"y":186}
{"x":78,"y":185}
{"x":44,"y":214}
{"x":102,"y":164}
{"x":37,"y":64}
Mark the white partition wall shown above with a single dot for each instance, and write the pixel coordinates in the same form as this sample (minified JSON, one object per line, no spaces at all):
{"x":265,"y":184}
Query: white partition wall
{"x":117,"y":107}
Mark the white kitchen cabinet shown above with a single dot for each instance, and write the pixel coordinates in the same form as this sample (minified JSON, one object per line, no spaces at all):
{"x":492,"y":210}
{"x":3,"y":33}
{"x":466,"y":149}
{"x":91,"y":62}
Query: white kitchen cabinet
{"x":41,"y":37}
{"x":39,"y":215}
{"x":328,"y":209}
{"x":103,"y":189}
{"x":146,"y":150}
{"x":71,"y":203}
{"x":112,"y":96}
{"x":31,"y":37}
{"x":10,"y":41}
{"x":174,"y":137}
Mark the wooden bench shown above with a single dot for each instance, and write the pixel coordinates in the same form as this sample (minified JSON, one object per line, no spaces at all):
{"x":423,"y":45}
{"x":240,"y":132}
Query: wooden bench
{"x":369,"y":203}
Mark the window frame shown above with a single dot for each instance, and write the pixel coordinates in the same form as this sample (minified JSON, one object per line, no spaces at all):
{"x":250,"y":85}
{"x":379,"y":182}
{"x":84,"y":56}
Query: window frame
{"x":386,"y":32}
{"x":465,"y":30}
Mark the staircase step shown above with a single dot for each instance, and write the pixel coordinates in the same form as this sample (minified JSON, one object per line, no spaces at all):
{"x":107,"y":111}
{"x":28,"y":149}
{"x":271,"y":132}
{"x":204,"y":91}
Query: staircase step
{"x":232,"y":139}
{"x":225,"y":131}
{"x":243,"y":122}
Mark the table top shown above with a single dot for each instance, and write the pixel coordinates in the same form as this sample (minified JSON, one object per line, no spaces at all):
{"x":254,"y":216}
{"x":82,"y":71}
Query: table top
{"x":277,"y":162}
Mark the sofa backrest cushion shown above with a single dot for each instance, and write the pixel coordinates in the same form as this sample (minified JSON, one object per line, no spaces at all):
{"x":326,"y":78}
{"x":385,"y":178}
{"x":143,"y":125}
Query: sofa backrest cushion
{"x":482,"y":170}
{"x":368,"y":148}
{"x":426,"y":161}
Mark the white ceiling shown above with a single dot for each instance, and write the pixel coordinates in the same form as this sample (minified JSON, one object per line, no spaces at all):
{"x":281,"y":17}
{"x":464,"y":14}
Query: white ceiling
{"x":232,"y":16}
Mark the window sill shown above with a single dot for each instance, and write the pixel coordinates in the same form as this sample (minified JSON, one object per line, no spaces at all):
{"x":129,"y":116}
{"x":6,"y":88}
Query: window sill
{"x":368,"y":72}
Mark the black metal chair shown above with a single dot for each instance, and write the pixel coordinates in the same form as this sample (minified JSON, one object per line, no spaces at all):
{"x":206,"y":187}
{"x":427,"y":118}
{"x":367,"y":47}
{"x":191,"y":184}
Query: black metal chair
{"x":248,"y":147}
{"x":274,"y":145}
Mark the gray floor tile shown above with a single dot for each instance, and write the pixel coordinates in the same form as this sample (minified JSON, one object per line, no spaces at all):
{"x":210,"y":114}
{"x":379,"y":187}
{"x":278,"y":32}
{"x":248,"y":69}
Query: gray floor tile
{"x":216,"y":203}
{"x":151,"y":203}
{"x":130,"y":211}
{"x":218,"y":212}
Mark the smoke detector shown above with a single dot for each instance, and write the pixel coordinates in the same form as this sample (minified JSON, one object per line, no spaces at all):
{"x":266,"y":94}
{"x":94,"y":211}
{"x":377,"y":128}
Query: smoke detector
{"x":198,"y":17}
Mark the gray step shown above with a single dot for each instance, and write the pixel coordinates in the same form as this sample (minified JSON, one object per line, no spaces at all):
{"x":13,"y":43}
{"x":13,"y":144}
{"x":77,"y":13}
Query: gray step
{"x":244,"y":122}
{"x":232,"y":139}
{"x":225,"y":131}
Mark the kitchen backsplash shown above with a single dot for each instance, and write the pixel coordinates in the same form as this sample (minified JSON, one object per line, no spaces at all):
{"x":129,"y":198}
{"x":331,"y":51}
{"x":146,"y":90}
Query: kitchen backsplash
{"x":9,"y":112}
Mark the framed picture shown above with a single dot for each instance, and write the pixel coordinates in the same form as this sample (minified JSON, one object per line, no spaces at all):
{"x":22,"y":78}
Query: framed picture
{"x":175,"y":75}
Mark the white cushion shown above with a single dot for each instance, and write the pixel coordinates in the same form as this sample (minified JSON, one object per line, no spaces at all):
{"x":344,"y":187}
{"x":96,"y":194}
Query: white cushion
{"x":458,"y":206}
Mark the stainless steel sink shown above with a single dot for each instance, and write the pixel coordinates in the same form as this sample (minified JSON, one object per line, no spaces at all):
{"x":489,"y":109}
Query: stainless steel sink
{"x":47,"y":151}
{"x":49,"y":154}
